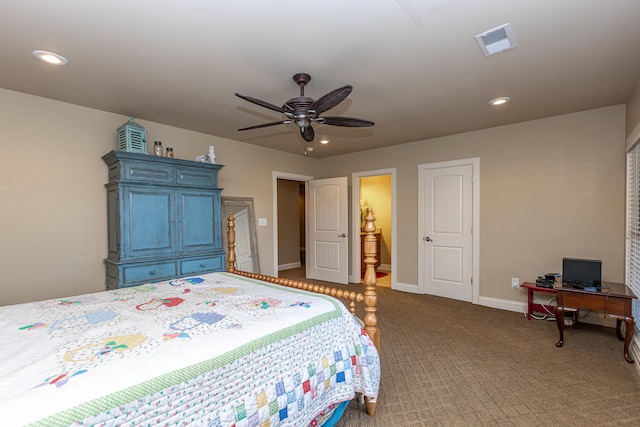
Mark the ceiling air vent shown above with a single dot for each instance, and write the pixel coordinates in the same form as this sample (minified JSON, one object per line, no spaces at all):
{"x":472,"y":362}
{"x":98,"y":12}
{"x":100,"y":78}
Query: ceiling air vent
{"x":497,"y":40}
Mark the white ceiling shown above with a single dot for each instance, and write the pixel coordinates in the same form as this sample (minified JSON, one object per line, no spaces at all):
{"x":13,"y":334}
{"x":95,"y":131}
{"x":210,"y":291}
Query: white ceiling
{"x":415,"y":66}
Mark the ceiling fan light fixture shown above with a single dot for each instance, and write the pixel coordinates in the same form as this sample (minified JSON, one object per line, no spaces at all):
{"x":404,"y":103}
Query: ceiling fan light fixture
{"x":50,"y":57}
{"x":302,"y":122}
{"x":303,"y":110}
{"x":499,"y":101}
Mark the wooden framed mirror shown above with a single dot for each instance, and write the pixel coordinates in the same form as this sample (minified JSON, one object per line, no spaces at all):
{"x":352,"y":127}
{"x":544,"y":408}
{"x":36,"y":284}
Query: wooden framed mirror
{"x":247,"y":258}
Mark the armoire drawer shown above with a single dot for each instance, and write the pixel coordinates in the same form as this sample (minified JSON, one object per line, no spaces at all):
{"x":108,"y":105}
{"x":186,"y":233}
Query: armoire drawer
{"x":196,"y":177}
{"x":150,"y":272}
{"x":145,"y":172}
{"x":202,"y":264}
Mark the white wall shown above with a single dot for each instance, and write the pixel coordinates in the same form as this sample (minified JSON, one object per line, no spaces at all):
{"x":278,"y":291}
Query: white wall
{"x":53,"y":228}
{"x":549,"y":188}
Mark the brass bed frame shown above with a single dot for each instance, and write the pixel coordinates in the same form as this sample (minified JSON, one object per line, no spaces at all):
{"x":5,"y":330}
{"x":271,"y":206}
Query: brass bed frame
{"x":369,"y":297}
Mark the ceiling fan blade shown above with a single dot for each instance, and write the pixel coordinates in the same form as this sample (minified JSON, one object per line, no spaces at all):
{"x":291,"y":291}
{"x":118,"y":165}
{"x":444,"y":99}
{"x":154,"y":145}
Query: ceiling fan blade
{"x":344,"y":121}
{"x":331,"y":99}
{"x":283,"y":122}
{"x":261,"y":103}
{"x":307,"y":133}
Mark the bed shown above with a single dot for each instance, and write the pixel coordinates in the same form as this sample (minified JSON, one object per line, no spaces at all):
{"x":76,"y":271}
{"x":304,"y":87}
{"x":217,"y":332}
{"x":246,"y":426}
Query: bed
{"x":218,"y":349}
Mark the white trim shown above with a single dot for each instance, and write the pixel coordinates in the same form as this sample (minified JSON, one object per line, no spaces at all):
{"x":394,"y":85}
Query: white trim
{"x":632,"y":201}
{"x":406,"y":287}
{"x":520,"y":307}
{"x":475,"y":184}
{"x":274,"y":202}
{"x":628,"y":210}
{"x":355,"y":222}
{"x":633,"y":137}
{"x":289,"y":266}
{"x":503,"y":304}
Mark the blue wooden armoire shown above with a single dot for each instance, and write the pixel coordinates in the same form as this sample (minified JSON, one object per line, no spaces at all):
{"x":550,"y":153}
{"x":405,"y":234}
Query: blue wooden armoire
{"x":163,"y":219}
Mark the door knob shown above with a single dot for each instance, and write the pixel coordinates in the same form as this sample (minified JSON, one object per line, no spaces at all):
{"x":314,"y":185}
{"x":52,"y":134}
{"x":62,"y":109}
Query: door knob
{"x":342,"y":235}
{"x":428,"y":239}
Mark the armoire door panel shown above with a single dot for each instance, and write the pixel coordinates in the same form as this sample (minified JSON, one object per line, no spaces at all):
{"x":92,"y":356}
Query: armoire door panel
{"x":151,"y":222}
{"x":198,"y":215}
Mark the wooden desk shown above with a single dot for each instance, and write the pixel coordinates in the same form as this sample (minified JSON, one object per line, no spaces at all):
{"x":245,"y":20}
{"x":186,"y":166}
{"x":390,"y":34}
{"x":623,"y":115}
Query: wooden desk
{"x":614,"y":300}
{"x":547,"y":309}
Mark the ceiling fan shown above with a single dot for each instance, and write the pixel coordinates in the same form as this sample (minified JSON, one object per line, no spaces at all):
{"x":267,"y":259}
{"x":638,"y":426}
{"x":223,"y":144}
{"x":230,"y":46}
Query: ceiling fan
{"x":303,"y":110}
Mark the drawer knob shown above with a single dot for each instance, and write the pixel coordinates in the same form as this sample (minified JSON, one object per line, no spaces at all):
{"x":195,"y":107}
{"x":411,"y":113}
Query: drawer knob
{"x":152,"y":272}
{"x":202,"y":265}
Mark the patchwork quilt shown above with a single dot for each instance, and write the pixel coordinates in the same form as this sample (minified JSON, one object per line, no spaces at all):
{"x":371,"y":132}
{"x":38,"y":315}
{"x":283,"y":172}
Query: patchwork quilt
{"x":214,"y":350}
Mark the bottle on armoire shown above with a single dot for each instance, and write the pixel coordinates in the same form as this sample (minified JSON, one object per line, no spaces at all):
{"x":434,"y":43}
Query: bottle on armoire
{"x":157,"y":149}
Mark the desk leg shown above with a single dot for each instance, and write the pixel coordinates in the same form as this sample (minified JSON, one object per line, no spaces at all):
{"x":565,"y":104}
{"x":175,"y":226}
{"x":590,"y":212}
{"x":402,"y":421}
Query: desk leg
{"x":628,"y":335}
{"x":560,"y":322}
{"x":618,"y":332}
{"x":529,"y":303}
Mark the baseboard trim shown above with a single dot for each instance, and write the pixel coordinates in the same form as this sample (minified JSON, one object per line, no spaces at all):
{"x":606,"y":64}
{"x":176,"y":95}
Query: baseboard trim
{"x":503,"y":304}
{"x":384,"y":267}
{"x":289,"y":266}
{"x":594,"y":318}
{"x":405,"y":287}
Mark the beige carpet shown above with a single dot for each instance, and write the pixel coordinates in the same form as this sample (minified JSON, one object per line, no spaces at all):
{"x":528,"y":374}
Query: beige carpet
{"x":450,"y":363}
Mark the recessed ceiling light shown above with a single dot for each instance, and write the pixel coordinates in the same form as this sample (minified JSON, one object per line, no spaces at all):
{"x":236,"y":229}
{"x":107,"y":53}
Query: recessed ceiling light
{"x":324,"y":141}
{"x":500,"y":101}
{"x":50,"y":57}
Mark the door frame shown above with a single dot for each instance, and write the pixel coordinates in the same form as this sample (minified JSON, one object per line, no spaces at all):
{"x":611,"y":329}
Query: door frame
{"x":475,"y":235}
{"x":275,"y":175}
{"x":355,"y":223}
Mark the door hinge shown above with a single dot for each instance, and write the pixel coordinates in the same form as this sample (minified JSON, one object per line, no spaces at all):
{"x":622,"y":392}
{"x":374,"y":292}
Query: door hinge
{"x":472,"y":280}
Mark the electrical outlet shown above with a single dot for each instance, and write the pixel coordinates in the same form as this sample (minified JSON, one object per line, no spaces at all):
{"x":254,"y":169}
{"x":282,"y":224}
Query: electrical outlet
{"x":515,"y":282}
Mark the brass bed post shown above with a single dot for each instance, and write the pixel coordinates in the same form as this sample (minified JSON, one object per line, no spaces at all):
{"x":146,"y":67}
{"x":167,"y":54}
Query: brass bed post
{"x":231,"y":243}
{"x":370,"y":295}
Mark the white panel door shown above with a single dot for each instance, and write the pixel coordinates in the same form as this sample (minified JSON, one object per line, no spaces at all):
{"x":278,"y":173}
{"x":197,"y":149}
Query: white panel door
{"x":327,"y":243}
{"x":243,"y":244}
{"x":447,"y":229}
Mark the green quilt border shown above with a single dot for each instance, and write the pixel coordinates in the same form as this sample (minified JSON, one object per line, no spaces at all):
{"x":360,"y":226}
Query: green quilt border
{"x":162,"y":382}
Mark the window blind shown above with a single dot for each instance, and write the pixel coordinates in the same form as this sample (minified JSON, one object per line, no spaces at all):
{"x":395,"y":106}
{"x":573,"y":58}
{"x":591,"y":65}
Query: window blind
{"x":633,"y":228}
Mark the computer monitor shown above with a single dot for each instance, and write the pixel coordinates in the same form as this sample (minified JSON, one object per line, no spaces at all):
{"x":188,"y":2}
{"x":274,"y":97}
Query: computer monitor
{"x":582,"y":273}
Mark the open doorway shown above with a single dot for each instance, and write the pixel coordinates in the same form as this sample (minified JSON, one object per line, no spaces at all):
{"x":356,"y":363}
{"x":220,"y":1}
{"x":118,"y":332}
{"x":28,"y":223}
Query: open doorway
{"x":291,"y":224}
{"x":353,"y":237}
{"x":313,"y":227}
{"x":376,"y":189}
{"x":283,"y":195}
